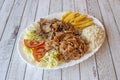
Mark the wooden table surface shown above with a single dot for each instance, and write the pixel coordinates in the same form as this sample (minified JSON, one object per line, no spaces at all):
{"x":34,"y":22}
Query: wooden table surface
{"x":15,"y":15}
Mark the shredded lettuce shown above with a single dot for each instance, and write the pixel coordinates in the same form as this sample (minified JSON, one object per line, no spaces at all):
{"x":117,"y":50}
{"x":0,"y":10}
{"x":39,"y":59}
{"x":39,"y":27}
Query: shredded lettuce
{"x":50,"y":59}
{"x":30,"y":33}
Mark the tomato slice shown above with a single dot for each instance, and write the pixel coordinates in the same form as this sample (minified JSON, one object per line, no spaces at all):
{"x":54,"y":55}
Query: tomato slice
{"x":33,"y":43}
{"x":38,"y":53}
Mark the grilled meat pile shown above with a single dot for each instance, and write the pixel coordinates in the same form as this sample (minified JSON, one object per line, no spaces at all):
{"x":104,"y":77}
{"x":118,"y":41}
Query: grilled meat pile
{"x":63,"y":37}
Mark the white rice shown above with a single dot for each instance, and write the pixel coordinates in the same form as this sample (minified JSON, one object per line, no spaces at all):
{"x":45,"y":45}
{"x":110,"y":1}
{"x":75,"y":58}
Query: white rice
{"x":95,"y":35}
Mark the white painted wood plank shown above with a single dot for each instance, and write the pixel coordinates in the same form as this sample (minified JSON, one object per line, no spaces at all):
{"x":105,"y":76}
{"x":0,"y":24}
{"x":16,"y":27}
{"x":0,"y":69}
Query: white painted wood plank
{"x":4,"y":14}
{"x":35,"y":73}
{"x":80,"y":5}
{"x":55,"y":6}
{"x":1,"y":3}
{"x":10,"y":27}
{"x":103,"y":57}
{"x":112,"y":34}
{"x":93,"y":9}
{"x":88,"y":68}
{"x":68,"y":5}
{"x":115,"y":4}
{"x":104,"y":63}
{"x":43,"y":9}
{"x":17,"y":66}
{"x":73,"y":72}
{"x":5,"y":52}
{"x":52,"y":75}
{"x":14,"y":21}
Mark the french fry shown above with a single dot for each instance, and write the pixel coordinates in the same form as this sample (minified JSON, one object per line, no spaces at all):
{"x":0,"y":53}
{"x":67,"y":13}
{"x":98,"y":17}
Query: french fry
{"x":77,"y":20}
{"x":72,"y":20}
{"x":81,"y":17}
{"x":71,"y":16}
{"x":66,"y":14}
{"x":82,"y":26}
{"x":83,"y":21}
{"x":78,"y":14}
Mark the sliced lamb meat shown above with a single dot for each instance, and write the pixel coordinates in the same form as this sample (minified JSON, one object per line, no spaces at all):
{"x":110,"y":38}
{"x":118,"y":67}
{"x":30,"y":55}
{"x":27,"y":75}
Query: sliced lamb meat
{"x":38,"y":30}
{"x":63,"y":37}
{"x":77,"y":32}
{"x":54,"y":20}
{"x":46,"y":28}
{"x":42,"y":21}
{"x":70,"y":46}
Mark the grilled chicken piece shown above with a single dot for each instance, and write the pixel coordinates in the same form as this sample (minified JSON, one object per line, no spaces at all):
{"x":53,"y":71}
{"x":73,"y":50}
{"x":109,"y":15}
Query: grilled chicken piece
{"x":63,"y":37}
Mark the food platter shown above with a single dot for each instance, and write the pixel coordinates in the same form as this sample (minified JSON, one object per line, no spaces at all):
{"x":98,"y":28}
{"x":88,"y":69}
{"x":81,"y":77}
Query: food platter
{"x":63,"y":65}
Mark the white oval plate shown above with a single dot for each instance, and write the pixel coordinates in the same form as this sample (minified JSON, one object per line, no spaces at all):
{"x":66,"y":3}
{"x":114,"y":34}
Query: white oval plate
{"x":63,"y":65}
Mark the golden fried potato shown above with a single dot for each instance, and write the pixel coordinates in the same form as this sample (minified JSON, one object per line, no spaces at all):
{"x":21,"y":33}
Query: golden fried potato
{"x":66,"y":14}
{"x":71,"y":16}
{"x":82,"y":21}
{"x":78,"y":14}
{"x":81,"y":17}
{"x":72,"y":20}
{"x":78,"y":20}
{"x":82,"y":26}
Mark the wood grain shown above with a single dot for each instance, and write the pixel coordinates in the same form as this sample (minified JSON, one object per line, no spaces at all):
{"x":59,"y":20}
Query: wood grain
{"x":33,"y":73}
{"x":5,"y":57}
{"x":52,"y":75}
{"x":4,"y":15}
{"x":43,"y":9}
{"x":68,"y":5}
{"x":103,"y":56}
{"x":17,"y":66}
{"x":1,"y":3}
{"x":112,"y":34}
{"x":71,"y":73}
{"x":81,"y":8}
{"x":9,"y":31}
{"x":55,"y":6}
{"x":114,"y":5}
{"x":104,"y":63}
{"x":14,"y":21}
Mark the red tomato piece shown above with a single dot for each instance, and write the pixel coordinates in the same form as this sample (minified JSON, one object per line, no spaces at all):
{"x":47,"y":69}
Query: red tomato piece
{"x":38,"y":53}
{"x":33,"y":43}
